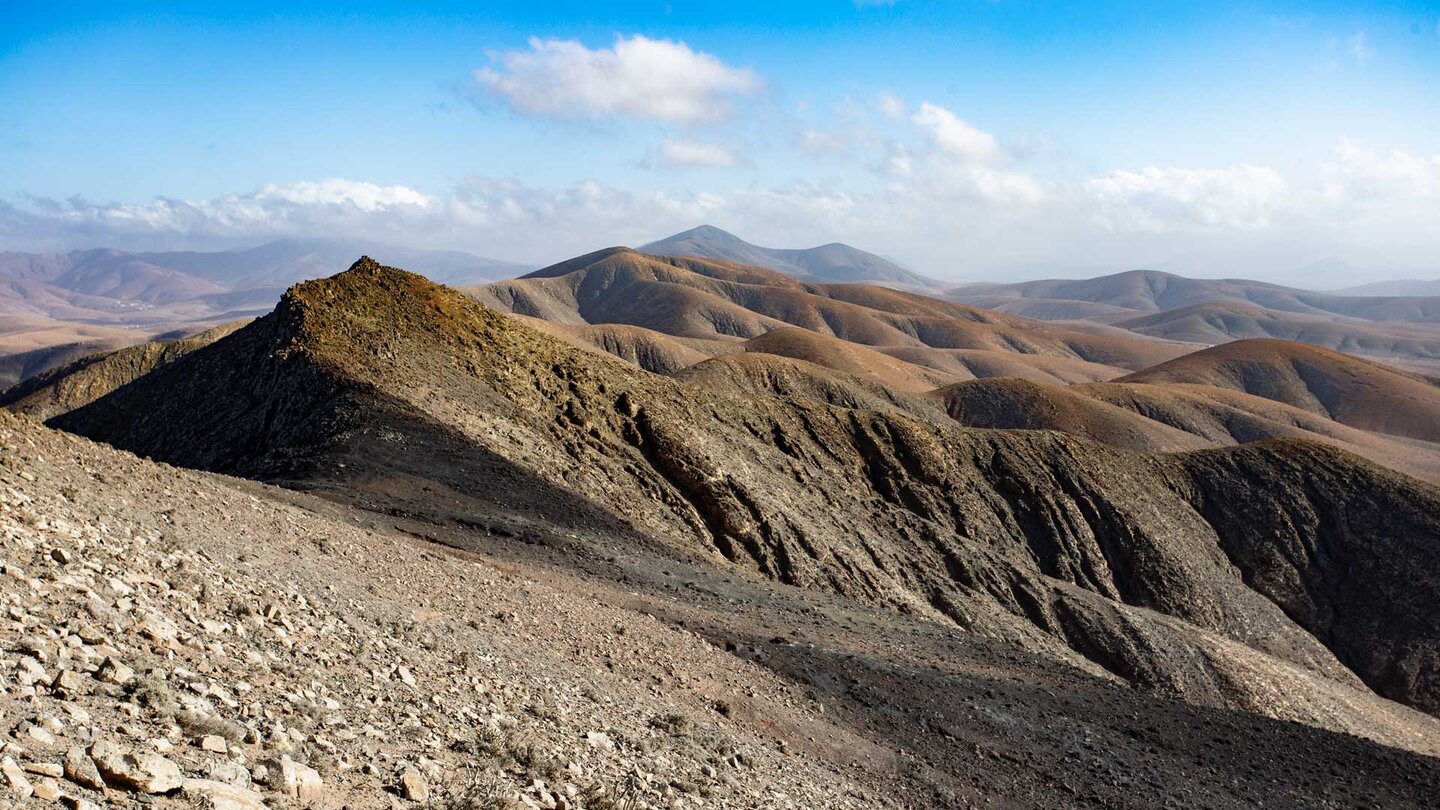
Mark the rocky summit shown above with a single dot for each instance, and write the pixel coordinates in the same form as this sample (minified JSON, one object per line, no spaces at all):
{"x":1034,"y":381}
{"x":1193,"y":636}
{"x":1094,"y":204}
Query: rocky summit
{"x":388,"y":546}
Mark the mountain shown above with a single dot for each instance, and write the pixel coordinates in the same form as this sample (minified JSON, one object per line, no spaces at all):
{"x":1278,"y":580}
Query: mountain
{"x":1402,"y":329}
{"x":1220,"y":322}
{"x":1147,"y":291}
{"x":1162,"y":418}
{"x":1401,"y":287}
{"x":30,"y":344}
{"x":147,"y":294}
{"x":166,"y":277}
{"x":284,"y":262}
{"x":833,"y":263}
{"x":379,"y":387}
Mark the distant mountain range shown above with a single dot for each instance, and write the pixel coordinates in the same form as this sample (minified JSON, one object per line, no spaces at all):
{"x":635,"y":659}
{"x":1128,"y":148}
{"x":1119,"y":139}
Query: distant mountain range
{"x":1412,"y":286}
{"x":831,"y":264}
{"x":1211,"y":311}
{"x":56,"y":307}
{"x":164,"y":278}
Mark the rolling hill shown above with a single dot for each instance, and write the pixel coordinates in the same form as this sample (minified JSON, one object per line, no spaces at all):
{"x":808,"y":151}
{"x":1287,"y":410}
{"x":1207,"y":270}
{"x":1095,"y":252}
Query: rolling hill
{"x":1148,"y":291}
{"x":716,"y":300}
{"x":1388,"y":327}
{"x":1352,"y":391}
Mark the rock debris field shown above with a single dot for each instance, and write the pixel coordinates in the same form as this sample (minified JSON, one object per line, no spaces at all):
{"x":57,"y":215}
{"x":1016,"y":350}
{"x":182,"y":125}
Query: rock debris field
{"x":172,"y":640}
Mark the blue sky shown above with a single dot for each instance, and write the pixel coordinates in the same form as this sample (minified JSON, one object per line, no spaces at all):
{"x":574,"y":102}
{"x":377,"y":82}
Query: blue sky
{"x":967,"y":139}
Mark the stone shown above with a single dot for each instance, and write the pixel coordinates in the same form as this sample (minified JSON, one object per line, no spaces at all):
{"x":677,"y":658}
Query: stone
{"x":80,"y":769}
{"x":30,"y":672}
{"x":145,"y":772}
{"x":40,"y":735}
{"x":71,"y":682}
{"x":405,"y":675}
{"x":158,"y":629}
{"x":221,"y":795}
{"x":77,"y":803}
{"x":214,"y":743}
{"x":413,"y":785}
{"x":90,"y":634}
{"x":229,"y":772}
{"x":45,"y":769}
{"x":300,"y":781}
{"x":14,"y":778}
{"x":47,"y":789}
{"x":112,"y":671}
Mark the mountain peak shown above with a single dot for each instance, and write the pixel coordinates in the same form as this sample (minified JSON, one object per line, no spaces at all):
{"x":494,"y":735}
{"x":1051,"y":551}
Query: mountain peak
{"x":832,"y":263}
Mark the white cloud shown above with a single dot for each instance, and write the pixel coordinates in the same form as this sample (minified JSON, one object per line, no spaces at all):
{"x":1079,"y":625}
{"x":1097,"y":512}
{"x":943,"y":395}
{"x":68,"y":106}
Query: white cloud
{"x":1165,"y":198}
{"x":639,"y":77}
{"x":335,"y":191}
{"x":685,"y":153}
{"x":891,"y":106}
{"x":958,"y":161}
{"x":956,"y":137}
{"x":1359,"y":174}
{"x":299,"y":209}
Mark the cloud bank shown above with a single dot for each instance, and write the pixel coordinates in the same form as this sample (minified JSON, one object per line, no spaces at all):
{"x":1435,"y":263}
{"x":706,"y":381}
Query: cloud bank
{"x":938,"y":192}
{"x":640,"y":78}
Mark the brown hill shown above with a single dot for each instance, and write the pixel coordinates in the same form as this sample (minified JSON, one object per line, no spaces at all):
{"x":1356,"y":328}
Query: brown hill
{"x":1147,"y":291}
{"x":968,"y":364}
{"x":82,"y":381}
{"x":1023,"y":404}
{"x":1162,"y":305}
{"x":646,"y":348}
{"x":698,"y":298}
{"x":768,"y":375}
{"x":1169,"y":417}
{"x":861,"y":362}
{"x":1224,"y":322}
{"x":1355,"y":392}
{"x":383,"y":389}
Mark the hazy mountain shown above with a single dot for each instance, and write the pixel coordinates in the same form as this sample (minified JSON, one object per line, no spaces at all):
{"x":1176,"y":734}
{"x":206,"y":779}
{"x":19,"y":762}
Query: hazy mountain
{"x":833,"y":263}
{"x":1404,"y":287}
{"x":1148,"y":291}
{"x":1171,"y":307}
{"x":147,"y":293}
{"x":284,"y":262}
